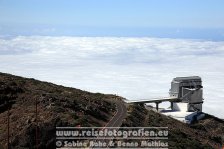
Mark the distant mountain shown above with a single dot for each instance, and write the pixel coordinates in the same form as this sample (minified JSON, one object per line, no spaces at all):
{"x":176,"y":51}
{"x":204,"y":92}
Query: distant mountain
{"x":64,"y":106}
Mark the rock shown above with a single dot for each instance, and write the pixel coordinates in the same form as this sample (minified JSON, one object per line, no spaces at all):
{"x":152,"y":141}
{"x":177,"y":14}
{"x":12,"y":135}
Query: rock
{"x":33,"y":119}
{"x":28,"y":121}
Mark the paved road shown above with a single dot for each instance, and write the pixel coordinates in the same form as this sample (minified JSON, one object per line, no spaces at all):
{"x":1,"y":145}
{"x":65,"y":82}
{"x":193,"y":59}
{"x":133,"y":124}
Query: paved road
{"x":117,"y":119}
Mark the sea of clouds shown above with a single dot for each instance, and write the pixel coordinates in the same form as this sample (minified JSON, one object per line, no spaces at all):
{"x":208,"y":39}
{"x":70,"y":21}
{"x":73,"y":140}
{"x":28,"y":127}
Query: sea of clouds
{"x":134,"y":68}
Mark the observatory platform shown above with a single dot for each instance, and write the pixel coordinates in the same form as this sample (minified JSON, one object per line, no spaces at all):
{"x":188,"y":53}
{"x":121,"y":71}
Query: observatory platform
{"x":185,"y":97}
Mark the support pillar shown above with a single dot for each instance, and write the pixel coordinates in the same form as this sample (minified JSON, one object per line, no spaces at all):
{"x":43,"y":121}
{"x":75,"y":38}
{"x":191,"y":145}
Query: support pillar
{"x":157,"y":106}
{"x":171,"y":105}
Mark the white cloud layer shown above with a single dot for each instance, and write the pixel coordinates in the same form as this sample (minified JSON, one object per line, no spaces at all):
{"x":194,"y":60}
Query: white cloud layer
{"x":131,"y":67}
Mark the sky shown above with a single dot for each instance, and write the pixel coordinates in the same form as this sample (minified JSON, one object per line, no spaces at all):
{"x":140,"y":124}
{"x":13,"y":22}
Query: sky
{"x":132,"y":48}
{"x":154,"y":18}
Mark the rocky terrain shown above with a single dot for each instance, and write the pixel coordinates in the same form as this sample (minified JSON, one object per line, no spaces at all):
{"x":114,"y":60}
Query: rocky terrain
{"x":206,"y":133}
{"x":56,"y":106}
{"x":35,"y":108}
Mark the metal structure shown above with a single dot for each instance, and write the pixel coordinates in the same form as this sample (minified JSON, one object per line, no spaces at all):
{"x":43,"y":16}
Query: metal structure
{"x":186,"y":98}
{"x":187,"y":90}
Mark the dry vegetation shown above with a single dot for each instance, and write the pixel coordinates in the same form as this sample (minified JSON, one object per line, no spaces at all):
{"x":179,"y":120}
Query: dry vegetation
{"x":63,"y":106}
{"x":206,"y":133}
{"x":57,"y":106}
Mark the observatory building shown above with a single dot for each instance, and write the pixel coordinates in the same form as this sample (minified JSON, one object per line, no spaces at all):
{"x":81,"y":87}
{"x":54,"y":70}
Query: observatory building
{"x":185,"y":97}
{"x":189,"y":92}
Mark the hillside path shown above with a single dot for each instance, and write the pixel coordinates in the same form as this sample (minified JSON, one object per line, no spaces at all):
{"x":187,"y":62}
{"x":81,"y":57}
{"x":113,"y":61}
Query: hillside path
{"x":118,"y":117}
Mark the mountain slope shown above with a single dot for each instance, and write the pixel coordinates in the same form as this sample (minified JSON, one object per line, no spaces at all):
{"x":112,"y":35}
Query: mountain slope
{"x":207,"y":133}
{"x":56,"y":106}
{"x":64,"y":106}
